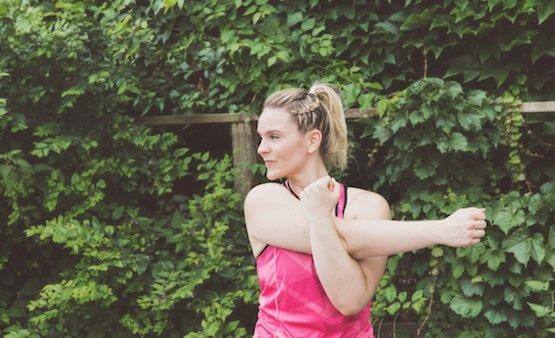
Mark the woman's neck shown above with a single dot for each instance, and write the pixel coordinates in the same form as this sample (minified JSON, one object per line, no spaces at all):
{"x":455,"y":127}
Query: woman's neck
{"x":300,"y":181}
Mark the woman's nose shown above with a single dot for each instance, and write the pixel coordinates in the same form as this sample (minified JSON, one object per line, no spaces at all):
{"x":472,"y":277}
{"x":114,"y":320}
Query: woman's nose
{"x":262,"y":148}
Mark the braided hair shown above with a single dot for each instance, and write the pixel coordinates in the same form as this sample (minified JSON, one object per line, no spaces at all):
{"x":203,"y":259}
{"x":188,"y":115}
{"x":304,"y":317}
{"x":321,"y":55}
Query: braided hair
{"x":318,"y":108}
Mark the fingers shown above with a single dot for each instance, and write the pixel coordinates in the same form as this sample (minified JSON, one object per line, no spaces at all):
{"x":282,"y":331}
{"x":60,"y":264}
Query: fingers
{"x":478,"y":213}
{"x":480,"y":224}
{"x":478,"y":233}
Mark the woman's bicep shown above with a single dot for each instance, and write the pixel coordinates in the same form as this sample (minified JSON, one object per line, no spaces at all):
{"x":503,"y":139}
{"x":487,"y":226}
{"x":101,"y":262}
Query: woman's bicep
{"x":274,"y":217}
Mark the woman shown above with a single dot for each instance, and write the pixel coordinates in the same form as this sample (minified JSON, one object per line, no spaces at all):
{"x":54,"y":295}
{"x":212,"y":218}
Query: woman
{"x":321,"y":247}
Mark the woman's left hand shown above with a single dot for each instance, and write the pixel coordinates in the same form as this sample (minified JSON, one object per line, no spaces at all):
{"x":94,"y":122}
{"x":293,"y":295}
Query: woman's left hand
{"x":320,"y":197}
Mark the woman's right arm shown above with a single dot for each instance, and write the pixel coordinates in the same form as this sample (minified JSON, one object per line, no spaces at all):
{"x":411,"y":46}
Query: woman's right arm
{"x":274,"y":216}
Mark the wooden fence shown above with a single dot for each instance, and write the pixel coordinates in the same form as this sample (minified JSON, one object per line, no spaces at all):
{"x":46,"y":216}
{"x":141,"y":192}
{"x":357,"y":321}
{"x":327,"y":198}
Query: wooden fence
{"x":242,"y":133}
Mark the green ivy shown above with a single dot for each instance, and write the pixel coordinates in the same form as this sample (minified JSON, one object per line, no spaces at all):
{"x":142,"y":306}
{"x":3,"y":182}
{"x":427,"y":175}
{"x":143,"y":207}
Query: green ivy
{"x":97,"y":240}
{"x":440,"y":149}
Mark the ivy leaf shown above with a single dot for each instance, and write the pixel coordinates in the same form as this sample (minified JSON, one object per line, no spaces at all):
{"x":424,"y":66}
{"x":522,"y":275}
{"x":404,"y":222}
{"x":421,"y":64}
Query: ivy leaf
{"x":413,"y":21}
{"x":423,"y":171}
{"x":381,"y":133}
{"x":521,"y":250}
{"x":458,"y":142}
{"x":545,"y":9}
{"x":494,"y":316}
{"x":390,"y":293}
{"x":536,"y":247}
{"x":494,"y":259}
{"x":398,"y":124}
{"x":506,"y":220}
{"x":458,"y":269}
{"x":477,"y":97}
{"x":466,"y":307}
{"x":393,"y":308}
{"x":513,"y":298}
{"x":551,"y":259}
{"x":308,"y":24}
{"x":539,"y":310}
{"x":294,"y":18}
{"x":470,"y":121}
{"x":470,"y":289}
{"x":536,"y":285}
{"x":386,"y":26}
{"x":417,"y":295}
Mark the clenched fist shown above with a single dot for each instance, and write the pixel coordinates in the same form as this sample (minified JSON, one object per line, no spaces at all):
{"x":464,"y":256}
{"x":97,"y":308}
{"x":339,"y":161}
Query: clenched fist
{"x":464,"y":227}
{"x":320,"y":196}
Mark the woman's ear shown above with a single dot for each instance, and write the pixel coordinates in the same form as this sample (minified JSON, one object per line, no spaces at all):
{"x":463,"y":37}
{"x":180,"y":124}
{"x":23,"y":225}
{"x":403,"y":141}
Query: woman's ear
{"x":313,"y":138}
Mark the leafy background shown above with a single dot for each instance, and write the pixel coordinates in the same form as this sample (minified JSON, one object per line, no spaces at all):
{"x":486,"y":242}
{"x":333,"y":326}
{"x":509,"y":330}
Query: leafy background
{"x":112,"y":228}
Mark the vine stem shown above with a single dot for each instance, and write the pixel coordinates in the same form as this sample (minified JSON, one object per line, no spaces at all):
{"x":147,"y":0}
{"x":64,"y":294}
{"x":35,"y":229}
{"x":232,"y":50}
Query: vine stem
{"x":429,"y":306}
{"x":395,"y":325}
{"x":425,"y":54}
{"x":551,"y":145}
{"x":380,"y":327}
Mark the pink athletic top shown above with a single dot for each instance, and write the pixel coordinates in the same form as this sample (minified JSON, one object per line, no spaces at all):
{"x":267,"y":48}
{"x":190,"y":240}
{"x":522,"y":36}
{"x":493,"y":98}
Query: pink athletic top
{"x":292,"y":301}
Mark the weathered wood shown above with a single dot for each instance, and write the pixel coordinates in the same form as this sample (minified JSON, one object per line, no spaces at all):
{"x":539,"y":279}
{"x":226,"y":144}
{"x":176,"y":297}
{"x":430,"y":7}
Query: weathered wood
{"x":537,"y":107}
{"x":244,"y":153}
{"x":358,"y":113}
{"x":166,"y":120}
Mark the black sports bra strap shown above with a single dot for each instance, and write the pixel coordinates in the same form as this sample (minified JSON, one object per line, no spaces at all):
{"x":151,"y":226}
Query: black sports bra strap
{"x":286,"y":184}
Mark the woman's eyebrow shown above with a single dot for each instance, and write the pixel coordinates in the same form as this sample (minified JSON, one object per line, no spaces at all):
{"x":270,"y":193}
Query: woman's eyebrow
{"x":269,"y":131}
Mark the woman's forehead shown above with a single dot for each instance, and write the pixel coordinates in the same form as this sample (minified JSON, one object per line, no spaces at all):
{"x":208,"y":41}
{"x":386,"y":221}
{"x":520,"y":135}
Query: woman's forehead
{"x":273,"y":119}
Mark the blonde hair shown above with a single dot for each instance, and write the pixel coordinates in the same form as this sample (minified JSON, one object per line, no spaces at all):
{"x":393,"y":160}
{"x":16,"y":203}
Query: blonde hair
{"x":318,"y":108}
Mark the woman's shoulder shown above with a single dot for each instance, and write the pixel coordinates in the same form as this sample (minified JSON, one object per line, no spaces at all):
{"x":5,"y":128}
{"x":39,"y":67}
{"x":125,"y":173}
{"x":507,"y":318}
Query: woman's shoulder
{"x":362,"y":202}
{"x":355,"y":193}
{"x":266,"y":187}
{"x":261,"y":192}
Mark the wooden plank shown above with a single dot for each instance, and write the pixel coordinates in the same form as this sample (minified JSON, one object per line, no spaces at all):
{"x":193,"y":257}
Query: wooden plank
{"x":244,"y":153}
{"x":359,"y":114}
{"x":527,"y":107}
{"x":537,"y":107}
{"x":166,"y":120}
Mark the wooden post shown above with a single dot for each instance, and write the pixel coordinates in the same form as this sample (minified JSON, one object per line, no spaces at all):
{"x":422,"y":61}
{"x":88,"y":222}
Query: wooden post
{"x":244,"y":153}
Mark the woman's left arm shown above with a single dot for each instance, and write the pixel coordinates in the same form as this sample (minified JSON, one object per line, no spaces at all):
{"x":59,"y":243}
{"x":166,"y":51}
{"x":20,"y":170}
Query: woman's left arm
{"x":341,"y":276}
{"x":335,"y":267}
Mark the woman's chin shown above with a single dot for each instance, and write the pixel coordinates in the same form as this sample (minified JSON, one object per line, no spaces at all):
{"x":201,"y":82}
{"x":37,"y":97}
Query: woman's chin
{"x":271,"y":176}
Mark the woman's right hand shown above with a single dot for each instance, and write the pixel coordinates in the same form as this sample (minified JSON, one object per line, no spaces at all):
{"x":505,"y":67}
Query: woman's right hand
{"x":465,"y":227}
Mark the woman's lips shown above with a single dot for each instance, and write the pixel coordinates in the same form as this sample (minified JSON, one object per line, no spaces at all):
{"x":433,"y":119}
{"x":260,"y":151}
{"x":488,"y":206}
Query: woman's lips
{"x":268,"y":163}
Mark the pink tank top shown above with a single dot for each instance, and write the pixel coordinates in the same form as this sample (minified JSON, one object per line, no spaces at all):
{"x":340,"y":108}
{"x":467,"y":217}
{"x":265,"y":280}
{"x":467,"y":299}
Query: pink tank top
{"x":292,"y":301}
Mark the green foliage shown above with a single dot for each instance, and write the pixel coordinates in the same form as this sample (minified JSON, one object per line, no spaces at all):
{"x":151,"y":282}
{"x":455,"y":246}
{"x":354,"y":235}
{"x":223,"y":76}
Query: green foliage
{"x":439,"y":149}
{"x":97,"y":242}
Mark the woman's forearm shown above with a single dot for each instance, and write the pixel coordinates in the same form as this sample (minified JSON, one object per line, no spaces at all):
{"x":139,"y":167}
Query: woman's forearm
{"x":379,"y":237}
{"x":334,"y":266}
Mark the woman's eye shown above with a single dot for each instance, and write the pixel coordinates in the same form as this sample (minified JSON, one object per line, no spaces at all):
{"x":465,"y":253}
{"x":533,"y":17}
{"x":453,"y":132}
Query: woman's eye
{"x":274,"y":137}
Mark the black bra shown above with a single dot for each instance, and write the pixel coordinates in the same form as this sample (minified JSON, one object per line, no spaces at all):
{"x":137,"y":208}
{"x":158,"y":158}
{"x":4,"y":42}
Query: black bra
{"x":286,"y":184}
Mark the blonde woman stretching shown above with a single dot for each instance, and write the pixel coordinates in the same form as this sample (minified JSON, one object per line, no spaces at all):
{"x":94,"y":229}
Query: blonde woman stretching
{"x":320,"y":247}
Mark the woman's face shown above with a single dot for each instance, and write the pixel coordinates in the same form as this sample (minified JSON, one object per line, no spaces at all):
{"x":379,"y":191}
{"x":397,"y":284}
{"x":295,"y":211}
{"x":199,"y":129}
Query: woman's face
{"x":282,"y":147}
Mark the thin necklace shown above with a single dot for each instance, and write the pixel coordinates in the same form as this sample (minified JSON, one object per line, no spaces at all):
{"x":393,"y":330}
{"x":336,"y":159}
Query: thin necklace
{"x":291,"y":189}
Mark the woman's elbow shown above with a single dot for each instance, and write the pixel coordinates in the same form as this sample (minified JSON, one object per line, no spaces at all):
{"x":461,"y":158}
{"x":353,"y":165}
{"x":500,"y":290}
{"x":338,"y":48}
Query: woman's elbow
{"x":353,"y":307}
{"x":351,"y":310}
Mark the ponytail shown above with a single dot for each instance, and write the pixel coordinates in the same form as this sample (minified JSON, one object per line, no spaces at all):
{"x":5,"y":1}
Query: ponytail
{"x":319,"y":108}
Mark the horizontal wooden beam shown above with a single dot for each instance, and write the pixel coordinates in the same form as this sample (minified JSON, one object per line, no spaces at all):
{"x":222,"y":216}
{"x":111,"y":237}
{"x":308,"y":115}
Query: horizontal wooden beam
{"x":166,"y":120}
{"x":538,"y":107}
{"x":196,"y":119}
